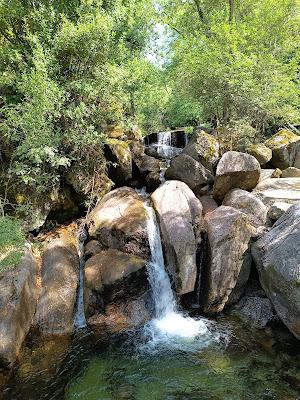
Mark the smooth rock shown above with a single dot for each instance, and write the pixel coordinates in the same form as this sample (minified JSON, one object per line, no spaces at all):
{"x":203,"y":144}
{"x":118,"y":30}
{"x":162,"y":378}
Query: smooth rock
{"x":249,"y":204}
{"x":235,"y":170}
{"x":119,"y":222}
{"x":229,"y":233}
{"x":185,"y":169}
{"x":285,"y":146}
{"x":18,"y":295}
{"x":261,"y":152}
{"x":277,"y":256}
{"x":204,"y":148}
{"x":60,"y":274}
{"x":291,"y":172}
{"x":179,"y":215}
{"x":113,"y":274}
{"x":278,"y":209}
{"x":273,"y":190}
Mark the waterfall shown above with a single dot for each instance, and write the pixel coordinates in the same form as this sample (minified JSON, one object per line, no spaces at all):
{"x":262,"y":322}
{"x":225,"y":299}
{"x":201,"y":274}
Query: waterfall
{"x":168,"y":322}
{"x":79,"y":320}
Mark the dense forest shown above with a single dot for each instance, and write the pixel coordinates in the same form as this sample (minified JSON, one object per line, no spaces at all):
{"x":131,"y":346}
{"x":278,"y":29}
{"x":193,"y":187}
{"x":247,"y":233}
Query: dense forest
{"x":75,"y":71}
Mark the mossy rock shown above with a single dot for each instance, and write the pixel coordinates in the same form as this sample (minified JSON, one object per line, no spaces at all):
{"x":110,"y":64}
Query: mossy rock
{"x":261,"y":152}
{"x":286,"y":149}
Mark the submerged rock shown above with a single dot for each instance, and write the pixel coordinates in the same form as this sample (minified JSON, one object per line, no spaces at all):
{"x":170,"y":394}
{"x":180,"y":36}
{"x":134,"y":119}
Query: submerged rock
{"x":277,"y":256}
{"x":60,"y":274}
{"x":235,"y":170}
{"x":18,"y":295}
{"x":119,"y":222}
{"x":246,"y":202}
{"x":184,"y":168}
{"x":112,"y":274}
{"x":229,"y":233}
{"x":278,"y":189}
{"x":261,"y":152}
{"x":180,"y":218}
{"x":204,"y":148}
{"x":285,"y":146}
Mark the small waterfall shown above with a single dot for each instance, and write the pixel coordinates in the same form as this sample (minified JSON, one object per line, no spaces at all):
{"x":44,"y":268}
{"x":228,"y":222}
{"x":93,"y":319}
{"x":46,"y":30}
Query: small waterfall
{"x":169,"y":323}
{"x":79,"y":320}
{"x":164,"y":145}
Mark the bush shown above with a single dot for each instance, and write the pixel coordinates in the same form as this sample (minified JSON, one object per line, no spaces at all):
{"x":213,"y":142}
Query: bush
{"x":12,"y":240}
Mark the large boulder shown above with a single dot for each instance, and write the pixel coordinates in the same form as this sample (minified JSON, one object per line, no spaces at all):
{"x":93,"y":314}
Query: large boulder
{"x":229,"y":232}
{"x":277,"y":256}
{"x":180,"y":218}
{"x":261,"y":152}
{"x":112,"y":274}
{"x":119,"y":154}
{"x":204,"y":148}
{"x":18,"y":295}
{"x":184,"y":168}
{"x":119,"y":222}
{"x":147,"y":164}
{"x":273,"y":190}
{"x":246,"y":202}
{"x":60,"y":274}
{"x":235,"y":170}
{"x":285,"y":146}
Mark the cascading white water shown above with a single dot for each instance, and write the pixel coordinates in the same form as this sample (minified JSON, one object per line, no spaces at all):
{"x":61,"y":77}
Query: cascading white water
{"x":169,"y":323}
{"x":164,"y":145}
{"x":79,"y":320}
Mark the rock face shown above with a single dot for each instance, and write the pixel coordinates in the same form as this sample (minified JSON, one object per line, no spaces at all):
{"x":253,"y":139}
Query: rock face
{"x":119,"y":153}
{"x":60,"y":273}
{"x":278,"y":209}
{"x":229,"y":233}
{"x":277,"y":256}
{"x":119,"y":222}
{"x":180,"y":218}
{"x":204,"y":148}
{"x":291,"y":172}
{"x":278,"y":189}
{"x":235,"y":170}
{"x":112,"y":274}
{"x":261,"y":152}
{"x":246,"y":202}
{"x":256,"y":311}
{"x":285,"y":146}
{"x":18,"y":295}
{"x":184,"y":168}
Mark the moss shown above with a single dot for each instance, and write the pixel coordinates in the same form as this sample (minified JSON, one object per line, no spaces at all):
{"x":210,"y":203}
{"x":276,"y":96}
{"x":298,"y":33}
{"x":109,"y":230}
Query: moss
{"x":281,"y":138}
{"x":12,"y":241}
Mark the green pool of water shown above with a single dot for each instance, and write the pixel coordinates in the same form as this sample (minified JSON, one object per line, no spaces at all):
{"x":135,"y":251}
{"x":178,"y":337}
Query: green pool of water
{"x":240,"y":365}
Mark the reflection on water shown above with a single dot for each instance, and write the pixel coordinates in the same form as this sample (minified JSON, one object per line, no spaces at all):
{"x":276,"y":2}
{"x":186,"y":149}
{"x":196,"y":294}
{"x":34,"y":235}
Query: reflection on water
{"x":248,"y":366}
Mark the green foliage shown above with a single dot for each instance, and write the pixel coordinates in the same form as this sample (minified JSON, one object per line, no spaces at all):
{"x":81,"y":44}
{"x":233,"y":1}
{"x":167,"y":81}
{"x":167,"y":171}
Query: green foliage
{"x":12,"y":241}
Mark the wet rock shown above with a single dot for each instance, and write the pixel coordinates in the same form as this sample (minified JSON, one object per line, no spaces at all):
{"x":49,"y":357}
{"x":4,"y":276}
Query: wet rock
{"x":291,"y":172}
{"x":246,"y":202}
{"x":276,"y":256}
{"x":153,"y":181}
{"x":113,"y":274}
{"x":60,"y":273}
{"x":254,"y":311}
{"x":152,"y":152}
{"x":285,"y":146}
{"x":119,"y":222}
{"x":278,"y":209}
{"x":184,"y":168}
{"x":261,"y":152}
{"x":18,"y":295}
{"x":208,"y":204}
{"x":92,"y":248}
{"x":273,"y":190}
{"x":204,"y":148}
{"x":122,"y":316}
{"x":229,"y":233}
{"x":235,"y":170}
{"x":180,"y":218}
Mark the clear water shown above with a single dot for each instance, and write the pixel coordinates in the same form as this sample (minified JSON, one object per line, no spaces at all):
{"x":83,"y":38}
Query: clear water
{"x":248,"y":365}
